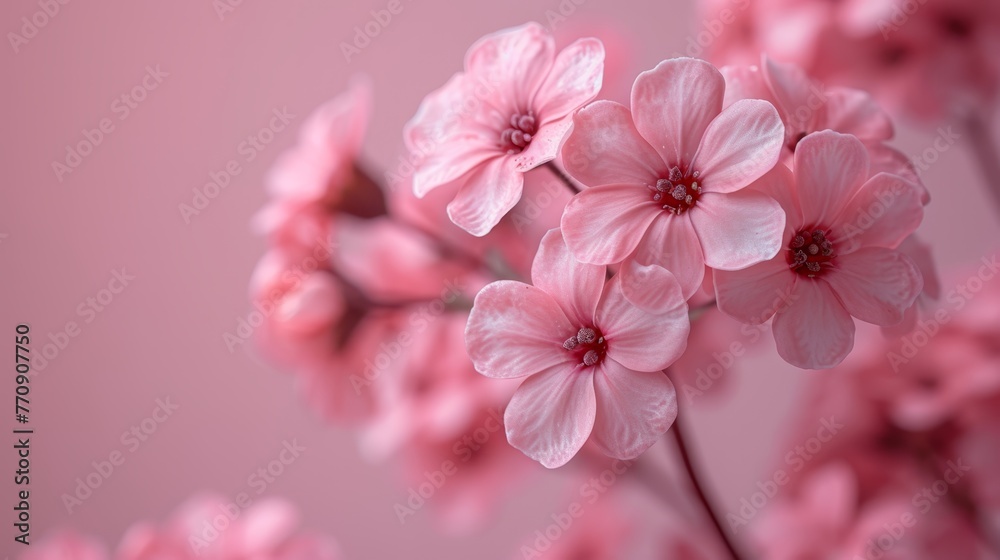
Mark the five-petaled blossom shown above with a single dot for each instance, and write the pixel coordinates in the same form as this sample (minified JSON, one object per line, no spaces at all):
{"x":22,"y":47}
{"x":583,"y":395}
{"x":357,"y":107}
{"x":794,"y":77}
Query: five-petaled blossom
{"x":667,"y":182}
{"x":504,"y":115}
{"x":594,"y":360}
{"x":839,"y":258}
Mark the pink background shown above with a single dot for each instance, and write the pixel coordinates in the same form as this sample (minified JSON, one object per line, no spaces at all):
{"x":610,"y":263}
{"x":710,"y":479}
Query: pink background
{"x":162,"y":336}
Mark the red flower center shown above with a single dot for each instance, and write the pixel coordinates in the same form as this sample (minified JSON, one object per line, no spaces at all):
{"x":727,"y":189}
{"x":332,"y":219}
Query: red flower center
{"x":810,"y":252}
{"x":518,"y":135}
{"x":588,"y":346}
{"x":678,"y":192}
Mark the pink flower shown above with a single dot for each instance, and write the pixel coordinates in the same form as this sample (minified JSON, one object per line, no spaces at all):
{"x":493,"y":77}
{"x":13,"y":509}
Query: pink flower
{"x":265,"y":531}
{"x":839,"y":259}
{"x":594,"y":359}
{"x":505,"y":115}
{"x":65,"y":546}
{"x":805,"y":106}
{"x":920,"y":253}
{"x":667,"y":182}
{"x":320,"y":176}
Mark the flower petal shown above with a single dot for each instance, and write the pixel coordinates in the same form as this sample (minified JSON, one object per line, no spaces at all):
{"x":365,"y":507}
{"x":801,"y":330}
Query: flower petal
{"x":575,"y":285}
{"x":673,"y":104}
{"x":551,"y":414}
{"x":876,"y":285}
{"x":515,"y":61}
{"x":637,"y":338}
{"x":633,"y":409}
{"x":604,"y":148}
{"x":575,"y":79}
{"x":672,"y":243}
{"x":853,"y":111}
{"x":815,"y":331}
{"x":829,"y":169}
{"x":544,"y":146}
{"x":602,"y":225}
{"x":451,"y":160}
{"x":745,"y":82}
{"x":740,"y":146}
{"x":739,"y":229}
{"x":515,"y":330}
{"x":486,"y":196}
{"x":885,"y":211}
{"x":800,"y":100}
{"x":754,"y":294}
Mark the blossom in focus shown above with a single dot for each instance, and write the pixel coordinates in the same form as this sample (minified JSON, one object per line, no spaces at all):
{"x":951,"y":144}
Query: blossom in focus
{"x":839,"y":258}
{"x":806,"y":106}
{"x":593,"y":360}
{"x":666,"y":181}
{"x":504,"y":115}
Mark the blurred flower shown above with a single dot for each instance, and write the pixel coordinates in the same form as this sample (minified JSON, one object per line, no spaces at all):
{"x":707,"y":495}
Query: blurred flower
{"x":204,"y":528}
{"x":586,"y":350}
{"x":666,"y":181}
{"x":929,"y":59}
{"x":66,"y":546}
{"x":504,"y":115}
{"x":320,"y":177}
{"x":839,"y":262}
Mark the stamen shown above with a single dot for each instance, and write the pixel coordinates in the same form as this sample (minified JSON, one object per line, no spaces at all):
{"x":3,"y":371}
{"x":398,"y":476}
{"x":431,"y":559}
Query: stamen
{"x":586,"y":336}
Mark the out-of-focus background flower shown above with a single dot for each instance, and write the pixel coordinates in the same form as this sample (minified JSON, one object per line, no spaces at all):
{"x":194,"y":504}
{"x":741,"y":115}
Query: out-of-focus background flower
{"x":119,"y":114}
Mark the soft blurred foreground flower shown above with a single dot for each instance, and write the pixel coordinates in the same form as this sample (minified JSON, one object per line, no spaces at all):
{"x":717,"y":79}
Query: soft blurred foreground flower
{"x":667,"y":179}
{"x":205,"y":528}
{"x":839,"y":258}
{"x":595,"y":361}
{"x":504,"y":115}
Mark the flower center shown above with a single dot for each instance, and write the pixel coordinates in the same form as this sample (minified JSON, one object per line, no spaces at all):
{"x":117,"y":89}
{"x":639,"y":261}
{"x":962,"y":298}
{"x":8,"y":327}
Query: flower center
{"x":588,"y":346}
{"x":811,"y":253}
{"x":678,"y":192}
{"x":518,"y":135}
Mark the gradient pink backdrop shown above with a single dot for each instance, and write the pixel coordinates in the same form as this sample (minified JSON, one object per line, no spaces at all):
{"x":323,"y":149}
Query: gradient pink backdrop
{"x":163,"y":335}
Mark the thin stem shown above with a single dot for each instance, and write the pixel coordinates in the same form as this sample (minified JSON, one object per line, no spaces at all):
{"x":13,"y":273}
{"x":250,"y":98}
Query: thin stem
{"x":986,"y":154}
{"x":682,"y":446}
{"x":562,"y":176}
